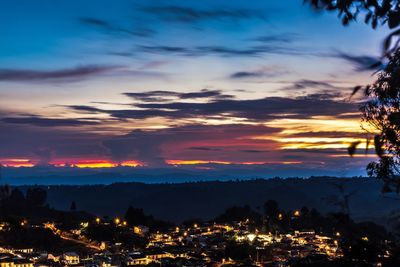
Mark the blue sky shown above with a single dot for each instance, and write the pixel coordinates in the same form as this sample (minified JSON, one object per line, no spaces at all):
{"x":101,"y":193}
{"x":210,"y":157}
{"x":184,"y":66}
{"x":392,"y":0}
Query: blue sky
{"x":181,"y":84}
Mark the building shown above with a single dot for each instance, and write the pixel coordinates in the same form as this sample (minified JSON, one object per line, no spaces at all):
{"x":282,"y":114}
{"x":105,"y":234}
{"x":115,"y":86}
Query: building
{"x":70,"y":258}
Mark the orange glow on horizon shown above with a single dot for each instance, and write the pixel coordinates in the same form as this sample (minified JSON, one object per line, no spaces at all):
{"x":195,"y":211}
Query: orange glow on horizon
{"x":16,"y":163}
{"x":196,"y":162}
{"x":132,"y":163}
{"x":106,"y":164}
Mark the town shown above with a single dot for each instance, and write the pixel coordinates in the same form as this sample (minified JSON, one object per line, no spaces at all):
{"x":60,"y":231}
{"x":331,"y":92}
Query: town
{"x":199,"y":245}
{"x":109,"y":242}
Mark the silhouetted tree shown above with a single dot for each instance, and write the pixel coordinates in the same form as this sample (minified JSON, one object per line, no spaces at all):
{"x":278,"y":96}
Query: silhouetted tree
{"x":5,"y":189}
{"x":382,"y":112}
{"x":17,"y":196}
{"x":36,"y":197}
{"x":374,"y":13}
{"x":271,"y":209}
{"x":239,"y":213}
{"x":136,"y":216}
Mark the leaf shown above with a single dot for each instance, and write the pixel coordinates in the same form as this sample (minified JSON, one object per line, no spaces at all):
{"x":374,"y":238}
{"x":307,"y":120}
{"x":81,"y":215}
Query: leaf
{"x":368,"y":17}
{"x":388,"y":41}
{"x":352,"y":148}
{"x":378,"y":145}
{"x":394,"y":118}
{"x":355,"y":90}
{"x":393,"y":19}
{"x":345,"y":21}
{"x":376,"y":65}
{"x":391,"y":136}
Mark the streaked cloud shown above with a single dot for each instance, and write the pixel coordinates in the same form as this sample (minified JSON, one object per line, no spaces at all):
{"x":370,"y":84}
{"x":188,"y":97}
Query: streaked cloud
{"x":71,"y":74}
{"x":48,"y":122}
{"x":187,"y":14}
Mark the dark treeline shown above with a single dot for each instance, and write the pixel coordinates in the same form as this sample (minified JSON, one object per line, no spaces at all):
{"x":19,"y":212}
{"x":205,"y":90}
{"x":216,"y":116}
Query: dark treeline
{"x":205,"y":200}
{"x":32,"y":204}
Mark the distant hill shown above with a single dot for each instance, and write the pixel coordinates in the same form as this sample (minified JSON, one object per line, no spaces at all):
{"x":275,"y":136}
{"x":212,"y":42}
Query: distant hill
{"x":180,"y":201}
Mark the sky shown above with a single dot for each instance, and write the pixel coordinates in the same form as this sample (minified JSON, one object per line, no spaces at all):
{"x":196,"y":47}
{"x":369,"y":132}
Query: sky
{"x":182,"y":84}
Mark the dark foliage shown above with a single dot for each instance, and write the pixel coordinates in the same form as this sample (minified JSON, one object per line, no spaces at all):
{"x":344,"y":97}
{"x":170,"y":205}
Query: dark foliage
{"x":40,"y":238}
{"x":115,"y":234}
{"x":36,"y":196}
{"x":136,"y":216}
{"x":382,"y":112}
{"x":238,"y":251}
{"x":373,"y":12}
{"x":16,"y":207}
{"x":239,"y":213}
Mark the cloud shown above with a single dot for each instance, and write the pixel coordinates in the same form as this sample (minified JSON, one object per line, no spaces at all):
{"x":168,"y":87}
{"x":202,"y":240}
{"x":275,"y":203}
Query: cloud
{"x":46,"y":143}
{"x":153,"y":104}
{"x":204,"y":148}
{"x":317,"y":89}
{"x":194,"y":141}
{"x":361,"y":63}
{"x":44,"y":156}
{"x":265,"y":72}
{"x":254,"y":151}
{"x":84,"y":108}
{"x":77,"y":73}
{"x":223,"y":51}
{"x":246,"y":74}
{"x":191,"y":15}
{"x":48,"y":122}
{"x":113,"y":28}
{"x":332,"y":134}
{"x":161,"y":96}
{"x":276,"y":38}
{"x":304,"y":84}
{"x":255,"y":109}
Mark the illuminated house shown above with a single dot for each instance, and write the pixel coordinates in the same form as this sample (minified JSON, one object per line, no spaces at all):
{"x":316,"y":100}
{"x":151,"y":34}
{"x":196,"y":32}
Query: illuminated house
{"x":71,"y":258}
{"x":23,"y":263}
{"x":137,"y":259}
{"x":18,"y":262}
{"x":7,"y":262}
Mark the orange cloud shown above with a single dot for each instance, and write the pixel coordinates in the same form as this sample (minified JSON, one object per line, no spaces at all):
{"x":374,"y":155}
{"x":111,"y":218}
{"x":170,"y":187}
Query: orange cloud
{"x":16,"y":163}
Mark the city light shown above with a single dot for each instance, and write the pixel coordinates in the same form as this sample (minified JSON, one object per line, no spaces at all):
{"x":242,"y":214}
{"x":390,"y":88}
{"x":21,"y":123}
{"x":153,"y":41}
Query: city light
{"x":251,"y":237}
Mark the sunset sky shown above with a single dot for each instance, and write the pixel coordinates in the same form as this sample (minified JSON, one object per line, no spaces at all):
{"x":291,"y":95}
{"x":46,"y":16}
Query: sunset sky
{"x":178,"y":84}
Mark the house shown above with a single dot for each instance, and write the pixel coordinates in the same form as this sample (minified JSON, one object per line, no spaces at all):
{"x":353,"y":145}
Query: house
{"x":137,"y":259}
{"x":21,"y":262}
{"x":70,"y":258}
{"x":6,"y":262}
